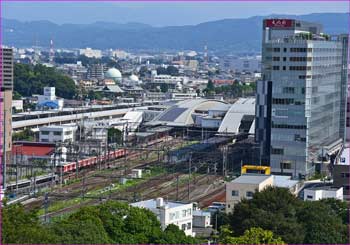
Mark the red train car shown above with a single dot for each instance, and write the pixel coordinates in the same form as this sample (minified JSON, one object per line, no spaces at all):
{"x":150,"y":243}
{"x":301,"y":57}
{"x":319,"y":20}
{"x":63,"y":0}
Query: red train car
{"x":69,"y":167}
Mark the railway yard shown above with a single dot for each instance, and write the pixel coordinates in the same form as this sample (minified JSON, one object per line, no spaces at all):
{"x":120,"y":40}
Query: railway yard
{"x":113,"y":180}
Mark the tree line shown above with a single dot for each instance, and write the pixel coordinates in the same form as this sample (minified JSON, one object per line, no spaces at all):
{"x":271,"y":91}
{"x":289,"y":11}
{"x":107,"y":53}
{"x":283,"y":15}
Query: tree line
{"x":234,"y":90}
{"x":272,"y":216}
{"x":31,"y":79}
{"x":110,"y":222}
{"x":289,"y":218}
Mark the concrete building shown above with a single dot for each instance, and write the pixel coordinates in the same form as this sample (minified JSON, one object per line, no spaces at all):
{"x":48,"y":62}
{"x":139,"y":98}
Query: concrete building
{"x":6,"y":55}
{"x":59,"y":133}
{"x":90,"y":53}
{"x":201,"y":219}
{"x":300,"y":99}
{"x":247,"y":184}
{"x":341,"y":172}
{"x":177,"y":213}
{"x":17,"y":104}
{"x":96,"y":71}
{"x":49,"y":99}
{"x":323,"y":192}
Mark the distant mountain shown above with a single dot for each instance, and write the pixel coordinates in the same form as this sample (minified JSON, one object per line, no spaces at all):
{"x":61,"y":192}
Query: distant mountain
{"x":236,"y":35}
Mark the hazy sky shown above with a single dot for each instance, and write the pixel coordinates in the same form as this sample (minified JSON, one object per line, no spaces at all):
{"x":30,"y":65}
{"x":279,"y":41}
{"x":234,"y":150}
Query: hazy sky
{"x":158,"y":13}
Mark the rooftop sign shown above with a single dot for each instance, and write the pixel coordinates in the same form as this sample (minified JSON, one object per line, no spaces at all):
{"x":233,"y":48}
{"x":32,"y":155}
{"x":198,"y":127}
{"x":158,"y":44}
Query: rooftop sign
{"x":284,"y":23}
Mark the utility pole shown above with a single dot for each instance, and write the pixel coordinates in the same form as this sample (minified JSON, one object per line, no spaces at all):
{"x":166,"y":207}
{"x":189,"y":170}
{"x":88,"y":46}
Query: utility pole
{"x":46,"y":205}
{"x":83,"y":188}
{"x":189,"y":176}
{"x":16,"y":173}
{"x":177,"y":188}
{"x":125,"y":160}
{"x":34,"y":183}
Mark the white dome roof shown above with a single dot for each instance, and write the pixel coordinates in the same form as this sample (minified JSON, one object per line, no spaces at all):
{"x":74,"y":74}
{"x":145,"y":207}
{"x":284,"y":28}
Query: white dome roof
{"x":113,"y":73}
{"x":134,"y":78}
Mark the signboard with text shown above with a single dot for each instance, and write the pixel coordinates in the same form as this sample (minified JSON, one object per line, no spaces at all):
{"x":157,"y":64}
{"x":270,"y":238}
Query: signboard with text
{"x":283,"y":23}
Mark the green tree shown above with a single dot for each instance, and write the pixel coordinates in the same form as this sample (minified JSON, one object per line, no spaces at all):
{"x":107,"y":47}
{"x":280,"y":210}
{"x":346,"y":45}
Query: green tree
{"x":16,"y":95}
{"x":110,"y":222}
{"x":172,"y":70}
{"x":115,"y":136}
{"x":25,"y":135}
{"x":273,"y":209}
{"x":321,"y":224}
{"x":290,"y":218}
{"x":29,"y":80}
{"x":164,"y":87}
{"x":94,"y":95}
{"x":251,"y":236}
{"x":210,"y":85}
{"x":82,"y":227}
{"x":161,"y":70}
{"x":20,"y":226}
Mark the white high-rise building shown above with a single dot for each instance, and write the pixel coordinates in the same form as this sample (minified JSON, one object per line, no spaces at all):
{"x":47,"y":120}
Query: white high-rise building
{"x":301,"y":100}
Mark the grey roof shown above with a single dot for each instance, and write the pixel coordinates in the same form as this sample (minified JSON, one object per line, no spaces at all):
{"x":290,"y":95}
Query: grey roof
{"x":233,"y":118}
{"x":200,"y":213}
{"x":284,"y":181}
{"x":180,"y":114}
{"x":324,"y":188}
{"x":251,"y":179}
{"x":113,"y":88}
{"x":152,"y":203}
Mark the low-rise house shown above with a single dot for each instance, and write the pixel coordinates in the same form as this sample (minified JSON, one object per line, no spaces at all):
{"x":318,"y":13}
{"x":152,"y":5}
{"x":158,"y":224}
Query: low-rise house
{"x":167,"y":212}
{"x":323,"y":192}
{"x":247,"y":184}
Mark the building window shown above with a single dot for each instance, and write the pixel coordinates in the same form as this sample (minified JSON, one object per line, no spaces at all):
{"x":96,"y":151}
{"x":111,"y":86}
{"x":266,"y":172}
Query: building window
{"x":183,"y":227}
{"x":286,"y":165}
{"x":276,"y":58}
{"x":68,"y":133}
{"x":189,"y":226}
{"x":235,"y":193}
{"x":309,"y":197}
{"x":45,"y":132}
{"x":57,"y":133}
{"x":276,"y":68}
{"x":171,"y":216}
{"x":288,"y":90}
{"x":284,"y":58}
{"x":183,"y":213}
{"x":249,"y":194}
{"x":276,"y":49}
{"x":284,"y":49}
{"x":277,"y":151}
{"x":345,"y":175}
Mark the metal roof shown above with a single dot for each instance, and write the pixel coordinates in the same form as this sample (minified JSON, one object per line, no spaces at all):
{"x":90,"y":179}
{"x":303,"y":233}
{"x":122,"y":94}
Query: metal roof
{"x":180,"y":114}
{"x":251,"y":179}
{"x":233,"y":118}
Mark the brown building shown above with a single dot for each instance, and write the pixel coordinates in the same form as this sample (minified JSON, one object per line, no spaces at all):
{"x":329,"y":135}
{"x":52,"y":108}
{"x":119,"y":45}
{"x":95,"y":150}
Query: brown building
{"x":6,"y":55}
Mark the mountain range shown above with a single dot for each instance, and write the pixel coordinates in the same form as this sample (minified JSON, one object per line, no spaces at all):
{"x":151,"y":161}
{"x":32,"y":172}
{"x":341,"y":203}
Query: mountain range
{"x":227,"y":35}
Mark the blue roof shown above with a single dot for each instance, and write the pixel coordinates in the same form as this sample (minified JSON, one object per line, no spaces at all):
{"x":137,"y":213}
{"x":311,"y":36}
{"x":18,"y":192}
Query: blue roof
{"x":50,"y":104}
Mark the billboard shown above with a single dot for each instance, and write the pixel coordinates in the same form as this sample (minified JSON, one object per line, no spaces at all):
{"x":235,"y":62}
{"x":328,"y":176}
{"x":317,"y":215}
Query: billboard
{"x":280,"y":23}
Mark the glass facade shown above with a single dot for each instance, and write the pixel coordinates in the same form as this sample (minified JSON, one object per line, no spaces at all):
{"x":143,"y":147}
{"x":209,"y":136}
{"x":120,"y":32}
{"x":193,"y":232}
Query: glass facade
{"x":306,"y":98}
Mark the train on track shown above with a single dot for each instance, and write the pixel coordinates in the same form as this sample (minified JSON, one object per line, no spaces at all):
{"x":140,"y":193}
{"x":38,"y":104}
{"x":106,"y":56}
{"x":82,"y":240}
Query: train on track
{"x":113,"y":155}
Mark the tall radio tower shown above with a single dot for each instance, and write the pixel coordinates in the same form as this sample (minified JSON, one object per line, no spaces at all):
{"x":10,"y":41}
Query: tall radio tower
{"x":52,"y":52}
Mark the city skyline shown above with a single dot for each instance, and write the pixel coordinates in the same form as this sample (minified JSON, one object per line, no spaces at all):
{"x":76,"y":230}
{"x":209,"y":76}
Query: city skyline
{"x":160,"y":13}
